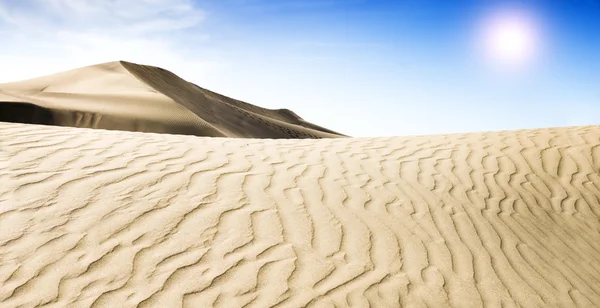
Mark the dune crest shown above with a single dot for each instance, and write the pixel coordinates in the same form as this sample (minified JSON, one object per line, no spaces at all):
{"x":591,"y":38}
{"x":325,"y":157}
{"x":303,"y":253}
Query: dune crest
{"x":100,"y":218}
{"x":132,"y":97}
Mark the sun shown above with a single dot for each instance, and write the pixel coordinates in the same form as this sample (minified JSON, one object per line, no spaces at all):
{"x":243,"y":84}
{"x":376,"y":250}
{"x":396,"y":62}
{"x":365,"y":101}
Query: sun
{"x":509,"y":38}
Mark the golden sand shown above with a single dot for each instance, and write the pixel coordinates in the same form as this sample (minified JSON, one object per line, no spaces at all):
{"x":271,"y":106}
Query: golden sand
{"x":95,"y":215}
{"x":99,"y":218}
{"x":131,"y":97}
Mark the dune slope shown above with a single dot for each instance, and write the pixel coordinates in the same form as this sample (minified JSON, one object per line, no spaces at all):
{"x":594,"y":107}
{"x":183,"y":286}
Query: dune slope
{"x":97,"y":218}
{"x":132,"y":97}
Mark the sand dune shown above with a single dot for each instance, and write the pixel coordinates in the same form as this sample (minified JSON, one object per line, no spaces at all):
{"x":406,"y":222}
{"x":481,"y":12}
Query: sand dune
{"x":98,"y":218}
{"x":127,"y":96}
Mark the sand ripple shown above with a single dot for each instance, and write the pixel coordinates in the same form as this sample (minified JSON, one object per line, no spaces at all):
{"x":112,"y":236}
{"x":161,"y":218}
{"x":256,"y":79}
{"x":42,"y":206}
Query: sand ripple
{"x":93,"y":218}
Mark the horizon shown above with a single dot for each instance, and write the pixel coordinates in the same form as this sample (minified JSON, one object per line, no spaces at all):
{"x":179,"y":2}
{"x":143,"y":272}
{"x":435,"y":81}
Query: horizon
{"x":372,"y":68}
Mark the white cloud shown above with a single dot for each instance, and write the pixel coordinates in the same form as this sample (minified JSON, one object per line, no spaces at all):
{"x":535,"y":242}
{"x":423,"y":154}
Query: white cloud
{"x":46,"y":36}
{"x":124,"y":15}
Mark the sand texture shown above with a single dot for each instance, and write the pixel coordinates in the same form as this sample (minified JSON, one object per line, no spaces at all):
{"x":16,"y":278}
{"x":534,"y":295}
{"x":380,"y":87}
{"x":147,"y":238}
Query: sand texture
{"x":131,"y":97}
{"x":101,"y":218}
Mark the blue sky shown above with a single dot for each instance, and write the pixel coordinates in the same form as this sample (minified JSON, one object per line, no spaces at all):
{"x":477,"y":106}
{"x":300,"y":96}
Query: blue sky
{"x":364,"y":68}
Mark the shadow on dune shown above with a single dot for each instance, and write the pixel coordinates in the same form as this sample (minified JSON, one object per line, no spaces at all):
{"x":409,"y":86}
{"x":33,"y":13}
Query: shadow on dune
{"x":21,"y":112}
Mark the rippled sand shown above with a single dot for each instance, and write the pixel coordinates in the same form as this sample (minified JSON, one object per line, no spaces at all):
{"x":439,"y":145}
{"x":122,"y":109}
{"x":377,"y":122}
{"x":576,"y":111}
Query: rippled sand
{"x":123,"y":219}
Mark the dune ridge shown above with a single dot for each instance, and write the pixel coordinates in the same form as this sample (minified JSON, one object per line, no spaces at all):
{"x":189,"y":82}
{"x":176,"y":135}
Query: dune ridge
{"x":100,"y":218}
{"x":132,"y":97}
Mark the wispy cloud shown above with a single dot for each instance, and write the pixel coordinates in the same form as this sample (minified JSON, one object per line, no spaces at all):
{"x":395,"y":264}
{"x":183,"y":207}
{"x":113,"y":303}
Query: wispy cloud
{"x":129,"y":16}
{"x":45,"y":36}
{"x":292,"y":5}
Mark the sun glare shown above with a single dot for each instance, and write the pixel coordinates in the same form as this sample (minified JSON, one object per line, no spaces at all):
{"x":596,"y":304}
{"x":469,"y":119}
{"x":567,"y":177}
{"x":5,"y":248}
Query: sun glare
{"x":509,"y":38}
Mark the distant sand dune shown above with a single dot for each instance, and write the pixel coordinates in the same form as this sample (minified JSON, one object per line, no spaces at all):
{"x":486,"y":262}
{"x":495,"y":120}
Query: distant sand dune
{"x":131,"y":97}
{"x":96,"y":218}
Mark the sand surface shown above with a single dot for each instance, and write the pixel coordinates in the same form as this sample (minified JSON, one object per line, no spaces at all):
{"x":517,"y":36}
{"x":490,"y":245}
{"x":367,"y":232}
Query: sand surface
{"x":126,"y":96}
{"x":100,"y":218}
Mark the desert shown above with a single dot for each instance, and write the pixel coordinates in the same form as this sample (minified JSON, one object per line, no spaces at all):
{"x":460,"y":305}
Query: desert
{"x":122,"y":185}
